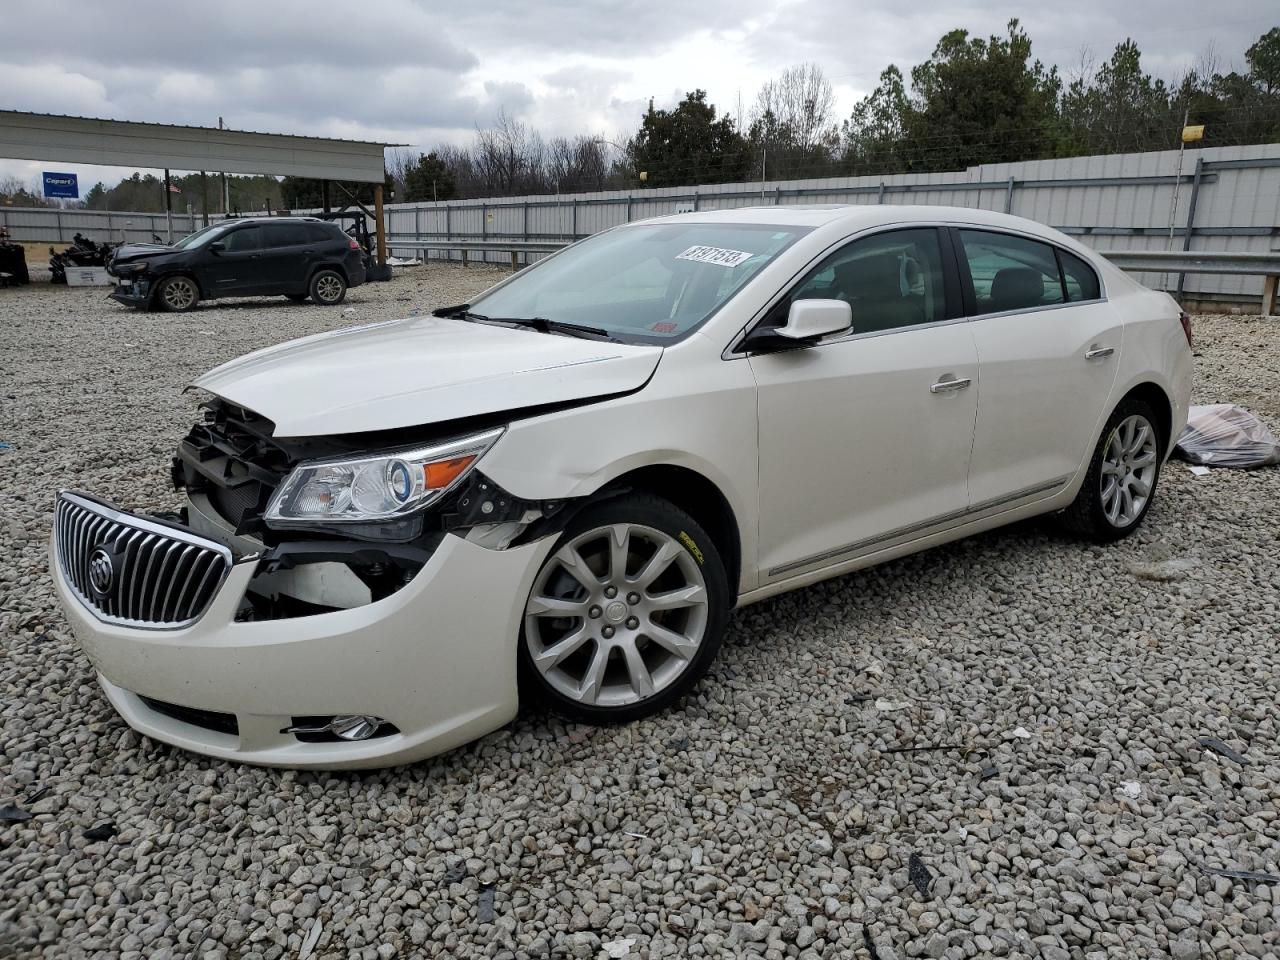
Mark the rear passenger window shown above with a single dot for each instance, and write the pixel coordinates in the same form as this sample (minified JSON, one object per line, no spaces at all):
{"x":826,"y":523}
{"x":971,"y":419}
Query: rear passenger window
{"x":1080,"y":279}
{"x":319,"y":233}
{"x":1011,"y":273}
{"x":285,"y":234}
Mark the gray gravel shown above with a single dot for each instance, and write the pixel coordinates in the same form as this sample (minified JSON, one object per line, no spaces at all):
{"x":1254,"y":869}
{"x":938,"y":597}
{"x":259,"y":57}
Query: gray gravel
{"x":1021,"y":711}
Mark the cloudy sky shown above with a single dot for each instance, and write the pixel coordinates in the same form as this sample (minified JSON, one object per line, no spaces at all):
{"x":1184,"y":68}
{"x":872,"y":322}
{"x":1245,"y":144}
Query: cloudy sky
{"x":420,"y":72}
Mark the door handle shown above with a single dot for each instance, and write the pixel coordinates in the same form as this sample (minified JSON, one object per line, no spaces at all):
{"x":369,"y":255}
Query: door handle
{"x":946,"y":386}
{"x":1096,"y":353}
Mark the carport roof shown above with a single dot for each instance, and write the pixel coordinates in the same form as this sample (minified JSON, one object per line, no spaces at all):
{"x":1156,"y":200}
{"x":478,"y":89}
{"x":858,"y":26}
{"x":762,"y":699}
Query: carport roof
{"x":129,"y":143}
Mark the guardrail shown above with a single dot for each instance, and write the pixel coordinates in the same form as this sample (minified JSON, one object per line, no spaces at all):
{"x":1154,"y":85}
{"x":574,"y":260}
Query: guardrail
{"x":1266,"y":265}
{"x":408,"y":241}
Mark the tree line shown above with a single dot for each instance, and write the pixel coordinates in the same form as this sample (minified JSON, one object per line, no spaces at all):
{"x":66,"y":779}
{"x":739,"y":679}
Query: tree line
{"x":974,"y":100}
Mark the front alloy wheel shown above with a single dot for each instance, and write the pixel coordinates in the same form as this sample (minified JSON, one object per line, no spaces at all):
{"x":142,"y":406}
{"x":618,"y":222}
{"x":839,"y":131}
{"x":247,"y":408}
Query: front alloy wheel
{"x":178,"y":294}
{"x":626,"y":613}
{"x":328,"y":288}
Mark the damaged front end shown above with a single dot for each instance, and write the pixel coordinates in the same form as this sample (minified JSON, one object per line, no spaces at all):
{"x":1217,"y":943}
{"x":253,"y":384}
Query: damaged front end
{"x":291,"y":503}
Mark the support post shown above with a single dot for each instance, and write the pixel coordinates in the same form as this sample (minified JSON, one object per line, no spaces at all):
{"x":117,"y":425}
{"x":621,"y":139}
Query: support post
{"x":1008,"y":197}
{"x":464,"y":258}
{"x":514,"y":264}
{"x":574,"y":223}
{"x":524,"y":221}
{"x":204,"y":197}
{"x":628,"y":208}
{"x":324,"y":195}
{"x":1191,"y":218}
{"x":880,"y":193}
{"x":484,"y":221}
{"x":380,"y":223}
{"x":1270,"y":284}
{"x":168,"y":204}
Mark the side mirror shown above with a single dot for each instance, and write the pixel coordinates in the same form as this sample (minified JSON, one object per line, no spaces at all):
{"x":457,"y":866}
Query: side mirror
{"x":807,"y":322}
{"x":217,"y":246}
{"x":813,"y":319}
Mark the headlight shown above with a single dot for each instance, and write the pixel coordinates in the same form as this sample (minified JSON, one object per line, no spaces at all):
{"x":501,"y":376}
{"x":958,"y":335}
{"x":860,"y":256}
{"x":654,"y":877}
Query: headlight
{"x":383,"y":486}
{"x":135,"y":267}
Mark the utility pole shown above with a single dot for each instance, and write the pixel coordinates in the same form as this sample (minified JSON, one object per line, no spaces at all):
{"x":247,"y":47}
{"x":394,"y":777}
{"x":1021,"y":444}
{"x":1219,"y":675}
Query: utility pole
{"x":1177,"y":182}
{"x":168,"y":205}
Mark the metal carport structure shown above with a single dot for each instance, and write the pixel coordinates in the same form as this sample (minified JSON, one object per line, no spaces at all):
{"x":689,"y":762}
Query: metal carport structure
{"x":127,"y":143}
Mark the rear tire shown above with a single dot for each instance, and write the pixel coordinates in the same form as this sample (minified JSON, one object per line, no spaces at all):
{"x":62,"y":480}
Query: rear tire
{"x":1121,"y":483}
{"x":328,"y":288}
{"x":177,"y":294}
{"x":626,"y":614}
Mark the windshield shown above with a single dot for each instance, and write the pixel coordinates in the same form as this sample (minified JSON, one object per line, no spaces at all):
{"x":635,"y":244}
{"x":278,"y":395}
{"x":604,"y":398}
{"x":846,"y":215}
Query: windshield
{"x":651,"y":283}
{"x":200,"y":237}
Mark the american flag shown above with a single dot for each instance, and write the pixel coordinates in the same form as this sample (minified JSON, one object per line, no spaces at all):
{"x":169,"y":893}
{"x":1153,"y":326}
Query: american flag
{"x":173,"y":188}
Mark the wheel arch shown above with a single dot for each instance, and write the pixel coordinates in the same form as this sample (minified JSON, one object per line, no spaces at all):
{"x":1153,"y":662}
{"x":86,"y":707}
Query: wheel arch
{"x":335,"y":267}
{"x":697,"y":496}
{"x":1158,"y":399}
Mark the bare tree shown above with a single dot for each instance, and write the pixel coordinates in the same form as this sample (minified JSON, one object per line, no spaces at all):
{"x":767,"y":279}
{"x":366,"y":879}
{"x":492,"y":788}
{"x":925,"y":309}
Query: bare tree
{"x":792,"y":129}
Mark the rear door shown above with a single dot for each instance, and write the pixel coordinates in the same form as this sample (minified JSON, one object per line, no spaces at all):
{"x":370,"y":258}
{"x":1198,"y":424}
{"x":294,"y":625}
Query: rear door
{"x":1048,"y":347}
{"x":235,"y":270}
{"x":865,"y":437}
{"x":288,"y":255}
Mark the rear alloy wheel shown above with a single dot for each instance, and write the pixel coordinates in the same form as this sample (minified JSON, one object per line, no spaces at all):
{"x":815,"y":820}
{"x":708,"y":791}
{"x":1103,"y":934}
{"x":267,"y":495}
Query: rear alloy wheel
{"x":328,"y":288}
{"x":1121,"y":483}
{"x":177,"y":294}
{"x":626,"y":614}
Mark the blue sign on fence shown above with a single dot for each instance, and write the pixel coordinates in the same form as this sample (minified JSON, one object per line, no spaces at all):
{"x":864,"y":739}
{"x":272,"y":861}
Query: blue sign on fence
{"x":61,"y":185}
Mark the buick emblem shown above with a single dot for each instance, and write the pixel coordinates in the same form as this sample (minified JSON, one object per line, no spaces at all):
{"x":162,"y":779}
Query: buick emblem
{"x":102,"y":571}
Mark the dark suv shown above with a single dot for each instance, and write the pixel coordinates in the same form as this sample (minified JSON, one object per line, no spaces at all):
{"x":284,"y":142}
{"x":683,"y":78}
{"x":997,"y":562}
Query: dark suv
{"x":297,"y":257}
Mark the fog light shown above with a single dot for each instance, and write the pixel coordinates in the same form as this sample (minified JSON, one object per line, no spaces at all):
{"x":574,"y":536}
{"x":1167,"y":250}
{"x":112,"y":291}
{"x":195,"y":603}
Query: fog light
{"x":344,"y":727}
{"x":355,"y":727}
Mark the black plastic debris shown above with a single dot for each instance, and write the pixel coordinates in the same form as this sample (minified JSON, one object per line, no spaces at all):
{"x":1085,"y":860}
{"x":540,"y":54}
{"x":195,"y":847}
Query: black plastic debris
{"x":484,"y":910}
{"x":103,"y":831}
{"x":679,"y":744}
{"x":919,"y":874}
{"x":40,"y":789}
{"x":455,"y":873}
{"x":14,"y":814}
{"x":1254,"y":876}
{"x":857,"y":698}
{"x":1222,"y":750}
{"x":870,"y":944}
{"x":987,"y":772}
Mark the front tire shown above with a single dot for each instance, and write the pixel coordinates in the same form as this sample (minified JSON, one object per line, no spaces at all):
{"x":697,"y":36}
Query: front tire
{"x":1121,"y":483}
{"x":177,"y":294}
{"x":328,"y":288}
{"x":626,"y":614}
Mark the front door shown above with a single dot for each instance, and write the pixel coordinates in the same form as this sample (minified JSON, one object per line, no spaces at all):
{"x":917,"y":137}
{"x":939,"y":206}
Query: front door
{"x":235,"y":270}
{"x":1048,"y":348}
{"x":865,"y":437}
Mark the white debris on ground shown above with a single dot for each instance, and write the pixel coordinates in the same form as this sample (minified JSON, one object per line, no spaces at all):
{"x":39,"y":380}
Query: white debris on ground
{"x":775,"y":813}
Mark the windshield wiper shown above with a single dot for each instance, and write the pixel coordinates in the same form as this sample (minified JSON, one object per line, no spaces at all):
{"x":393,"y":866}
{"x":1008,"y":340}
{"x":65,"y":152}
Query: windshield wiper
{"x":543,"y":325}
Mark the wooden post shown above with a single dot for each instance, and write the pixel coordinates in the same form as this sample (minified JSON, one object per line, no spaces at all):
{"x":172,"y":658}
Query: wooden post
{"x":1269,"y":291}
{"x":380,"y":217}
{"x":464,"y":258}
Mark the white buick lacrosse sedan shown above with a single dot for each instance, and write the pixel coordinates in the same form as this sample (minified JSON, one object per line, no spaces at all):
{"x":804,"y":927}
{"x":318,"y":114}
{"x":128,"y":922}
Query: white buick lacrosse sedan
{"x":559,"y":491}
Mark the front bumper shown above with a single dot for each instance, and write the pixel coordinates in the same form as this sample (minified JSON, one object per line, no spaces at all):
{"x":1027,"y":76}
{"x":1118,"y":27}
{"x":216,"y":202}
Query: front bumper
{"x":437,"y":659}
{"x":132,"y":293}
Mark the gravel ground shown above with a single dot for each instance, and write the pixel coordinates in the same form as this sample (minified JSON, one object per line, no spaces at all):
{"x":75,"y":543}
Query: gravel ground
{"x":1018,"y":715}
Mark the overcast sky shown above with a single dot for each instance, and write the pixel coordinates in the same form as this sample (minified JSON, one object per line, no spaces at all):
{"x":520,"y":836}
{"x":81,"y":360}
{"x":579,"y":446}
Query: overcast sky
{"x":424,"y":72}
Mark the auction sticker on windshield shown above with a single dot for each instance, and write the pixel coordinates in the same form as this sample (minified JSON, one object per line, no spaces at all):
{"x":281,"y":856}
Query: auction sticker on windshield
{"x":717,"y":255}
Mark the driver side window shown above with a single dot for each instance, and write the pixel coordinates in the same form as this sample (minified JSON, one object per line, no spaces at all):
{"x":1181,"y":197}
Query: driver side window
{"x":246,"y":238}
{"x":890,"y":280}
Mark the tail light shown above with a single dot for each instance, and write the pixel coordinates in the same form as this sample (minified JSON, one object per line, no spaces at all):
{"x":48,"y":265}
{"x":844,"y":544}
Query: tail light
{"x":353,"y":245}
{"x":1185,"y":320}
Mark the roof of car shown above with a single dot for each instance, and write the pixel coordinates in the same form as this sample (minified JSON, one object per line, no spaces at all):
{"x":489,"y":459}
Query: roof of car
{"x":234,"y":220}
{"x":852,"y":215}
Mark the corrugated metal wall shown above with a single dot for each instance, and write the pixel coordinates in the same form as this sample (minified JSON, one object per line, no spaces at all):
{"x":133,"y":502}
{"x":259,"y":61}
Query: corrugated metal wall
{"x":1116,"y":202}
{"x":57,"y":227}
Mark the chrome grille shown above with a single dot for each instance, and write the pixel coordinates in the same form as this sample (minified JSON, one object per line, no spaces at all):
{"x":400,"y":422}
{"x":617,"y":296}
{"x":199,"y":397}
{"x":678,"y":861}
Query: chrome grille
{"x":133,"y":571}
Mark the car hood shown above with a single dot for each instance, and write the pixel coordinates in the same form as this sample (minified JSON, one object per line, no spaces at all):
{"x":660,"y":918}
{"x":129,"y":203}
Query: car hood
{"x":134,"y":251}
{"x":422,"y":370}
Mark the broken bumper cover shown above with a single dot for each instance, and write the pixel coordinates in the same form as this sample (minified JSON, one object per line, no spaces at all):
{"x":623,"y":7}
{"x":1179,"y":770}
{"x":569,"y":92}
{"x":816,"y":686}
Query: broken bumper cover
{"x":134,"y":293}
{"x":436,"y":659}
